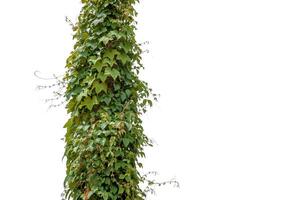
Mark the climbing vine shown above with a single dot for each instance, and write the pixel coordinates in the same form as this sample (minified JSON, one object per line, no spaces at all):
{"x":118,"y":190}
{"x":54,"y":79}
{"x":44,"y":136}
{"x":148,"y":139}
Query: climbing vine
{"x":105,"y":100}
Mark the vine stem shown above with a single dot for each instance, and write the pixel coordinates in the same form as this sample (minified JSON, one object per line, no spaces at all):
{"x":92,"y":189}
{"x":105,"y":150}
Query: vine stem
{"x":87,"y":193}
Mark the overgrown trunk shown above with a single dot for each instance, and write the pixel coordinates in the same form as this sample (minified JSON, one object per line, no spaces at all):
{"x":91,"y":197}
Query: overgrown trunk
{"x":105,"y":98}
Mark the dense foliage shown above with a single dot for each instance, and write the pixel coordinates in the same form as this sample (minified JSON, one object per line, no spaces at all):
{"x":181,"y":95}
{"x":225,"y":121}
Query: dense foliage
{"x":105,"y":100}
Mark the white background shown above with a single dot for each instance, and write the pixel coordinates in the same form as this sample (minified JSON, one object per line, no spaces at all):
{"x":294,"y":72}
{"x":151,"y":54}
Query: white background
{"x":227,"y":125}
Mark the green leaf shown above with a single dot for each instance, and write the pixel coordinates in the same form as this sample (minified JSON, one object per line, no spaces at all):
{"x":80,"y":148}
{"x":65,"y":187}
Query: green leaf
{"x":126,"y":46}
{"x":111,"y":54}
{"x":120,"y":190}
{"x":90,"y":102}
{"x":102,"y":77}
{"x":108,"y":62}
{"x":117,"y":86}
{"x":101,"y":141}
{"x":98,"y":66}
{"x":101,"y":31}
{"x":105,"y":40}
{"x":118,"y":164}
{"x":123,"y":58}
{"x":85,"y":35}
{"x":69,"y":123}
{"x":76,"y":91}
{"x":114,"y":189}
{"x":108,"y":71}
{"x":97,"y":21}
{"x":100,"y":87}
{"x":92,"y":44}
{"x":105,"y":196}
{"x":93,"y":59}
{"x":128,"y":92}
{"x":86,"y":127}
{"x":126,"y":141}
{"x":114,"y":73}
{"x":81,"y":95}
{"x":129,"y":126}
{"x":103,"y":125}
{"x":113,"y":34}
{"x":88,"y":80}
{"x":107,"y":100}
{"x":123,"y":96}
{"x":70,"y":106}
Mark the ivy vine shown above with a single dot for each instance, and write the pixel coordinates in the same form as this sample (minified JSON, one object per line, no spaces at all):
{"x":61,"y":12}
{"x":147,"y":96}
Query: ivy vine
{"x":105,"y":99}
